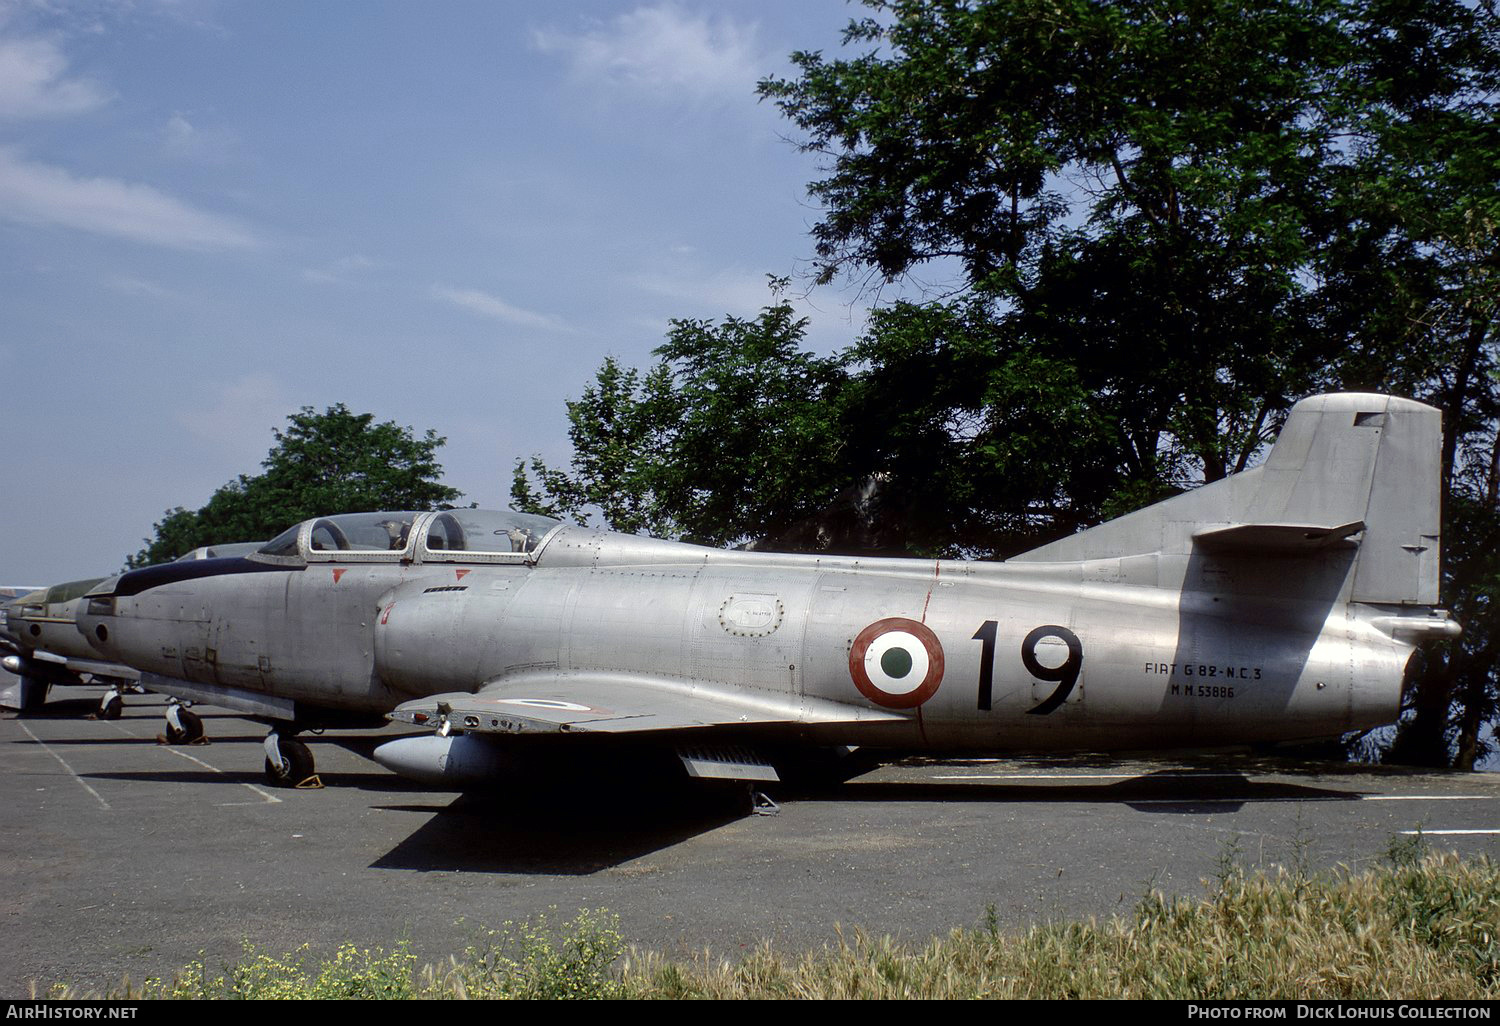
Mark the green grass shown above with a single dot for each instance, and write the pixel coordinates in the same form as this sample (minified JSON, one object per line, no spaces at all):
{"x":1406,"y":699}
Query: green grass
{"x":1420,"y":926}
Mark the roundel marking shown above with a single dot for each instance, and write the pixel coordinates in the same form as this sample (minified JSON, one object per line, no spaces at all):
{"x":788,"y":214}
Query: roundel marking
{"x":546,"y":703}
{"x":896,"y":662}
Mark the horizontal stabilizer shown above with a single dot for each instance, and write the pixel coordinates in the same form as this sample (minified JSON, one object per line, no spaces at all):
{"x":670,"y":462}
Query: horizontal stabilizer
{"x":1281,"y":539}
{"x":620,"y":704}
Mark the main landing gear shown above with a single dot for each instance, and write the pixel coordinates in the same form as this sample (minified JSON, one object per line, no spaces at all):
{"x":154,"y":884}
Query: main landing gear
{"x":111,"y":704}
{"x":289,"y":762}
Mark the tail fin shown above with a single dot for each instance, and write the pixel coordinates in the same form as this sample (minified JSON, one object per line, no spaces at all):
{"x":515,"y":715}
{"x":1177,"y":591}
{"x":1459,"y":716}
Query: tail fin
{"x":1350,"y":467}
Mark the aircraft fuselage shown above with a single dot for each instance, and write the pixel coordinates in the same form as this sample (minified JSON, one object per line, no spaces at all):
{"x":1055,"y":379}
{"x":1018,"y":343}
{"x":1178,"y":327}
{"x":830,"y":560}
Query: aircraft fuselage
{"x":967,"y":655}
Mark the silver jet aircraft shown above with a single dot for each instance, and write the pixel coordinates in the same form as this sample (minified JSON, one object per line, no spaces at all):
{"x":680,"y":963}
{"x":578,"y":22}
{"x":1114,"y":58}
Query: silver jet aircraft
{"x":39,"y":635}
{"x":42,"y":646}
{"x":14,"y":692}
{"x":1280,"y":604}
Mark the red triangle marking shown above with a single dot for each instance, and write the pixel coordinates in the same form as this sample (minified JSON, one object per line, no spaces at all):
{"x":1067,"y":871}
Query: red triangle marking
{"x":338,"y":572}
{"x":460,"y":574}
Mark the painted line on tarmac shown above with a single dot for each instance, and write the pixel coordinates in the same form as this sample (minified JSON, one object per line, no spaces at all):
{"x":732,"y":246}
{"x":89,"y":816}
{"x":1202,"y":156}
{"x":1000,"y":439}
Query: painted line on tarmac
{"x":1330,"y":798}
{"x":81,"y":782}
{"x":1426,"y":797}
{"x":266,"y":799}
{"x":1448,"y":833}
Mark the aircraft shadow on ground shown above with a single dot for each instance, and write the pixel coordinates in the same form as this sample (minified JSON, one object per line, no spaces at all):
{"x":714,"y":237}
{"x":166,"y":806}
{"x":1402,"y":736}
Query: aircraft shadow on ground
{"x":1161,"y":791}
{"x":64,"y":709}
{"x":185,"y":776}
{"x":554,"y":834}
{"x":106,"y":740}
{"x":373,"y":781}
{"x":557,"y":833}
{"x":1285,"y":762}
{"x":83,"y":708}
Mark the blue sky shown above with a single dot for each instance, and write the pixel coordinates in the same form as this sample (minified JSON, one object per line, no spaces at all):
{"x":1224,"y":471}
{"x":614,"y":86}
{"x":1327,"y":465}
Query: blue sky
{"x":213,"y":213}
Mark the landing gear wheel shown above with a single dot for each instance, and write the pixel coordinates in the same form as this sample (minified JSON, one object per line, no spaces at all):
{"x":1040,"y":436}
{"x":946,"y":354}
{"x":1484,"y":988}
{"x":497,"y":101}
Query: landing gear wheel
{"x":292,"y":766}
{"x":183,"y":727}
{"x":111,"y":706}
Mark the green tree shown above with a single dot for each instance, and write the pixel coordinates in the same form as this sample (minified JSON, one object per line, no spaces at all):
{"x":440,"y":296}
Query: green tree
{"x":1134,"y":188}
{"x":729,"y":436}
{"x":336,"y":461}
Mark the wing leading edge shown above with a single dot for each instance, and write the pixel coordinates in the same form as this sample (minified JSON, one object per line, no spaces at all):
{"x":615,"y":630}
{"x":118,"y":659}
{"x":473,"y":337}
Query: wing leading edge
{"x":611,"y":703}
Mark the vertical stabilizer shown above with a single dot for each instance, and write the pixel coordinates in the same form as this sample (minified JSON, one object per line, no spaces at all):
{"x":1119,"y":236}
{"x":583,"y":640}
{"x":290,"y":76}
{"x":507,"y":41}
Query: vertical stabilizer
{"x":1350,"y":467}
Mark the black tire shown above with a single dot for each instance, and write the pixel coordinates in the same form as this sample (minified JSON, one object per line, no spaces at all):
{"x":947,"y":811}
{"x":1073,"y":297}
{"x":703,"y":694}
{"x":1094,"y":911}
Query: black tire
{"x":192,"y":728}
{"x":296,"y":764}
{"x":112,"y":709}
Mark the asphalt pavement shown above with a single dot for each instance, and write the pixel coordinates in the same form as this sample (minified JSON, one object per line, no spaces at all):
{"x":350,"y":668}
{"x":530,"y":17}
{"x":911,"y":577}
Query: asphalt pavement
{"x":125,"y":856}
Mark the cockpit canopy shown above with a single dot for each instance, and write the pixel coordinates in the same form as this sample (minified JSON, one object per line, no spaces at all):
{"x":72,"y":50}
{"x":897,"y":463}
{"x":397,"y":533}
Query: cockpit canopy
{"x":457,"y":535}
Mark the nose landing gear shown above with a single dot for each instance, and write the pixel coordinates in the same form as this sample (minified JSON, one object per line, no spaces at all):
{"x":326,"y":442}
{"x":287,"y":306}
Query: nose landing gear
{"x":289,"y":762}
{"x":184,"y":727}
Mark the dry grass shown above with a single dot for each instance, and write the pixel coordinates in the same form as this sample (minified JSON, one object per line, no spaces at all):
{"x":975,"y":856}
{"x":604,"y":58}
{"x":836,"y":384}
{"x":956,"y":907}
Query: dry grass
{"x":1422,"y":931}
{"x":1424,"y":926}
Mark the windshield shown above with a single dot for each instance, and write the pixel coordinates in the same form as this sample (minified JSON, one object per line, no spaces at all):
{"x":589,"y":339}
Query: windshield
{"x":375,"y":535}
{"x":284,"y":544}
{"x":487,"y":531}
{"x":363,"y":532}
{"x":70,"y":591}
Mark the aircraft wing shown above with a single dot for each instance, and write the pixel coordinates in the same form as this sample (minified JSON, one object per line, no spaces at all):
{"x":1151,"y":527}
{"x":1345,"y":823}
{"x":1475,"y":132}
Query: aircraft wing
{"x":617,"y":703}
{"x":98,"y":668}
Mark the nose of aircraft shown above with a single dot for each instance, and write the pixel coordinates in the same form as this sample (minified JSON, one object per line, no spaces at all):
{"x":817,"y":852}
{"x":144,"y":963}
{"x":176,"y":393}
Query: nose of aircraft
{"x":10,"y":625}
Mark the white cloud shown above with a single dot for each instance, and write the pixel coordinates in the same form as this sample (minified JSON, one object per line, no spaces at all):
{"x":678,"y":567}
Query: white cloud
{"x":34,"y":82}
{"x":183,"y":140}
{"x":339,"y":272}
{"x":99,"y":16}
{"x":35,"y":193}
{"x":487,"y":305}
{"x":663,"y":50}
{"x":130,"y":285}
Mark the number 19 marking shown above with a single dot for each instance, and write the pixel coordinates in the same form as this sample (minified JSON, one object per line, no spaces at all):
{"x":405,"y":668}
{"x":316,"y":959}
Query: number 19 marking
{"x":1065,"y":676}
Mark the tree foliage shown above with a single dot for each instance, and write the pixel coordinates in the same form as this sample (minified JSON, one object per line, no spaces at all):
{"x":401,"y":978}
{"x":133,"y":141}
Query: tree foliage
{"x":1205,"y":207}
{"x":729,"y":436}
{"x":1154,"y":225}
{"x":336,"y":461}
